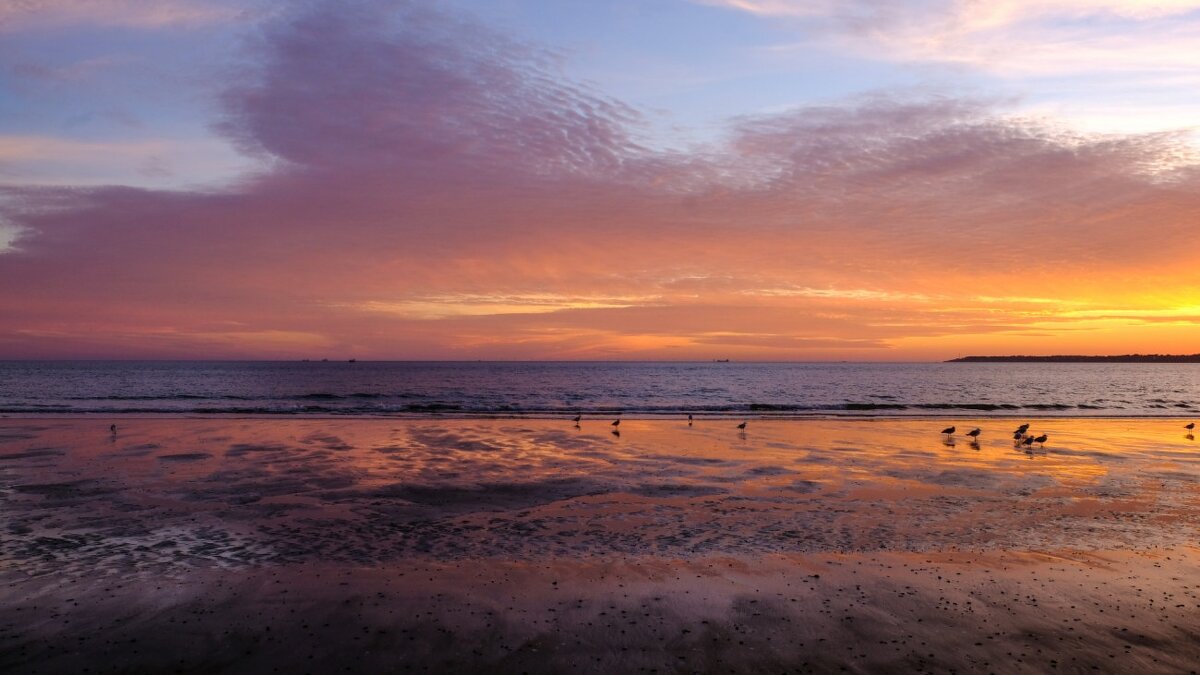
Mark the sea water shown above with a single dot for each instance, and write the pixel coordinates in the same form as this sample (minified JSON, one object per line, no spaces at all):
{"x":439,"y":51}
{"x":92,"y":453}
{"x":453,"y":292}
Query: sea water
{"x":542,"y":389}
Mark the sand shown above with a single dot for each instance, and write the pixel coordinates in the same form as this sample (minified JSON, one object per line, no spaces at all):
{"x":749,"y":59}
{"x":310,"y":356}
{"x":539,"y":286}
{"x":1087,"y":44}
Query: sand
{"x":381,"y":545}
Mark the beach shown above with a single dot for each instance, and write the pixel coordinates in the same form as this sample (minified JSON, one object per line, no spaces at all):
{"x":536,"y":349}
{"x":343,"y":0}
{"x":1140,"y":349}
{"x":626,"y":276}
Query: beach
{"x":531,"y":337}
{"x":529,"y":545}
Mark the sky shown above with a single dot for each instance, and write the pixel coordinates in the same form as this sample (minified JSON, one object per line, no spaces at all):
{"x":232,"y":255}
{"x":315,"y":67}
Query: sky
{"x":618,"y":179}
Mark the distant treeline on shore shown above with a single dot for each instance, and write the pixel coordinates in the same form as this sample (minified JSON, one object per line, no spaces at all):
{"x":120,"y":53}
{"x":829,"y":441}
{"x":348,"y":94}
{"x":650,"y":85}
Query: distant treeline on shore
{"x":1078,"y":358}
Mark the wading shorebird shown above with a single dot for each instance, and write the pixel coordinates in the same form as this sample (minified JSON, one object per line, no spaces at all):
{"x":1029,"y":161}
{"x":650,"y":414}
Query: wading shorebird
{"x":689,"y":419}
{"x":1189,"y":426}
{"x":1022,"y":429}
{"x":616,"y":423}
{"x":1041,"y":440}
{"x":576,"y":419}
{"x":113,"y":428}
{"x":1028,"y":443}
{"x":949,"y":431}
{"x":742,"y":426}
{"x":974,"y":433}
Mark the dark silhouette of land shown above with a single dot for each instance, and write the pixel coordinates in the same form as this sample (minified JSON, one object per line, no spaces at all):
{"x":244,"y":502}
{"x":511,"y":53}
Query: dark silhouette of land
{"x":1076,"y":358}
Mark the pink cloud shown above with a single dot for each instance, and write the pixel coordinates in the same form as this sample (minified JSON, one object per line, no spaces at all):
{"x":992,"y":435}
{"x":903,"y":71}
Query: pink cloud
{"x":420,"y":158}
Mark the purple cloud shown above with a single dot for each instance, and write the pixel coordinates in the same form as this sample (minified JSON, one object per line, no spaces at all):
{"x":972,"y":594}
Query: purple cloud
{"x":413,"y":158}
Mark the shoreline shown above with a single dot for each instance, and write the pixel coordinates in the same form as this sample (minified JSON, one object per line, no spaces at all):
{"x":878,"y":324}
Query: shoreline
{"x":972,"y":416}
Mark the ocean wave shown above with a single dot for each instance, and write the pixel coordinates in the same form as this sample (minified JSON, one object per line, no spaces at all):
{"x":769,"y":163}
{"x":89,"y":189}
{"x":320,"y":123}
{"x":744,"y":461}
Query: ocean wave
{"x":346,"y":405}
{"x":982,"y":407}
{"x":163,"y":397}
{"x":316,"y":396}
{"x":514,"y":389}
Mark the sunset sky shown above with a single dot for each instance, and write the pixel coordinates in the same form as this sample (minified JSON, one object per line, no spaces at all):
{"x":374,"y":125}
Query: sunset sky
{"x":614,"y":179}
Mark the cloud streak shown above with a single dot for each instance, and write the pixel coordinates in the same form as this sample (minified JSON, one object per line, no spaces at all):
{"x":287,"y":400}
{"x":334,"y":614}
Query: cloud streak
{"x":1010,"y":37}
{"x":142,"y":14}
{"x":48,"y":160}
{"x":436,"y":190}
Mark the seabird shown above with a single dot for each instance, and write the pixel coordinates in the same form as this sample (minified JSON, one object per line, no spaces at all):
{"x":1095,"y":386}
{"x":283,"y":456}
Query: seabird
{"x":1027,"y":442}
{"x":1041,"y":440}
{"x":742,"y":426}
{"x":974,"y":433}
{"x":1189,"y":426}
{"x":1022,"y":429}
{"x":949,"y":431}
{"x":616,"y":423}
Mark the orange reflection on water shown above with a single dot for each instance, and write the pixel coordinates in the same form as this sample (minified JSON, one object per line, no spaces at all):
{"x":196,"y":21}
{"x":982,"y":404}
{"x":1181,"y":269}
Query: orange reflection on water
{"x":371,"y":489}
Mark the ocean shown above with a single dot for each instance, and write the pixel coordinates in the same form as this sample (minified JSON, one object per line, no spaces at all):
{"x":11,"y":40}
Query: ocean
{"x":541,"y":389}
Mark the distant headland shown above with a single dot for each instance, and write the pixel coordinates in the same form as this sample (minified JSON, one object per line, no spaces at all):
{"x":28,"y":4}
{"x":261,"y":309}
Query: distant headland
{"x":1077,"y":358}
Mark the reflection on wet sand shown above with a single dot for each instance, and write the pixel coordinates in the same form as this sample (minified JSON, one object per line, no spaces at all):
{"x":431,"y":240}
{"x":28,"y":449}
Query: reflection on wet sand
{"x":205,"y":507}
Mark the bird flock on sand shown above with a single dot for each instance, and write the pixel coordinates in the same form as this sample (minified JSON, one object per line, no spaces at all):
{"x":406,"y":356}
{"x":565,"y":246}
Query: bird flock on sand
{"x":1021,"y":437}
{"x":616,"y":424}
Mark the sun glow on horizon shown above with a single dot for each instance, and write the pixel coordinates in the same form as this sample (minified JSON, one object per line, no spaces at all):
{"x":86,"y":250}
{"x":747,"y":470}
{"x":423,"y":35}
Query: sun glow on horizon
{"x":844,"y":181}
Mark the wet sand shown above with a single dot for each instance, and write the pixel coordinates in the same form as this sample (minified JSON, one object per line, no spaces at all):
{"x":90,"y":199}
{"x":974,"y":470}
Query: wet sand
{"x":368,"y":545}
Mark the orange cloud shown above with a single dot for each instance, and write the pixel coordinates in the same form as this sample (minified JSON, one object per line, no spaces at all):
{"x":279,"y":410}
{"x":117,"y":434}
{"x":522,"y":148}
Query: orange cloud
{"x":440,"y":191}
